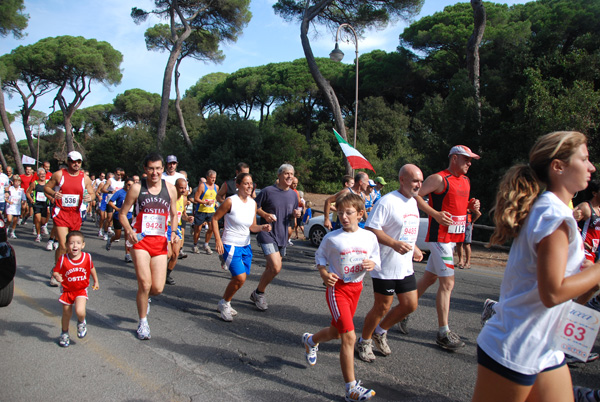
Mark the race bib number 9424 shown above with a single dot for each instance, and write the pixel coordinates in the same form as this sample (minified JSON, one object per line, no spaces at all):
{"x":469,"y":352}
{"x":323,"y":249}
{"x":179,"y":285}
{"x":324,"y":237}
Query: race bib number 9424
{"x":154,"y":225}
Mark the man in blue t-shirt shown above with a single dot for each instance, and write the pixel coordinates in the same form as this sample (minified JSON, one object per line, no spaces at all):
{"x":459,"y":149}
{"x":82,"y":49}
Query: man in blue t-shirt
{"x":116,"y":202}
{"x":277,"y":205}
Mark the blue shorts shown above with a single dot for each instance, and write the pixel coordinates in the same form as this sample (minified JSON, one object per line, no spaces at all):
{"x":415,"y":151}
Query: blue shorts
{"x":522,"y":379}
{"x":272,"y":248}
{"x":237,"y":259}
{"x":200,"y":218}
{"x":178,"y":233}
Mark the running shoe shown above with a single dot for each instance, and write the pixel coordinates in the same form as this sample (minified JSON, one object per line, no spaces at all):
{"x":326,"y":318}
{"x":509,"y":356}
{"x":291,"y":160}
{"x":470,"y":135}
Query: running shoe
{"x":583,"y":394}
{"x":64,"y":340}
{"x":403,"y":326}
{"x":182,"y":255}
{"x":359,"y":393}
{"x":110,"y":231}
{"x":207,"y":250}
{"x":311,"y":351}
{"x":100,"y":233}
{"x":381,"y":344}
{"x":49,"y":245}
{"x":13,"y":235}
{"x":81,"y":329}
{"x":572,"y":361}
{"x":169,"y":280}
{"x":594,"y":304}
{"x":45,"y":230}
{"x":106,"y":237}
{"x":107,"y":243}
{"x":55,"y":245}
{"x":488,"y":310}
{"x":38,"y":238}
{"x":128,"y":258}
{"x":365,"y":350}
{"x":143,"y":331}
{"x":449,"y":341}
{"x":225,"y":309}
{"x":260,"y":300}
{"x":33,"y":231}
{"x":196,"y":250}
{"x":53,"y":282}
{"x":290,"y":243}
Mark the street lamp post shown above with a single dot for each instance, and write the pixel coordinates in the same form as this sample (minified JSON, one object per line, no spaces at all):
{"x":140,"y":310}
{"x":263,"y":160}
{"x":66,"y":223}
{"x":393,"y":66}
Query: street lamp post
{"x":337,"y":55}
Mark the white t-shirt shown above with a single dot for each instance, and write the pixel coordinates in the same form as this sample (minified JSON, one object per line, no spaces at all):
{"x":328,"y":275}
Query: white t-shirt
{"x":343,"y":253}
{"x":236,"y":231}
{"x":4,"y":181}
{"x":15,"y":197}
{"x":520,"y":334}
{"x":172,"y":178}
{"x":398,"y":217}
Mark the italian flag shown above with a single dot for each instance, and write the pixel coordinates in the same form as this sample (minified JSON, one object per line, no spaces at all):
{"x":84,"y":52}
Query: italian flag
{"x":355,"y":158}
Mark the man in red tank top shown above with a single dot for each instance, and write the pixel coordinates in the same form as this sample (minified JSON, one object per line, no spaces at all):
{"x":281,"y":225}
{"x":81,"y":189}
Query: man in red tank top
{"x":71,"y":183}
{"x":448,"y":193}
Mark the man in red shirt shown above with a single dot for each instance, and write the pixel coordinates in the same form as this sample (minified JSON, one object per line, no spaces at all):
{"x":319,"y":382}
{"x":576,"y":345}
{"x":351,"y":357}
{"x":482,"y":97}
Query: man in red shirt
{"x":71,"y":183}
{"x":448,"y":193}
{"x":26,"y":180}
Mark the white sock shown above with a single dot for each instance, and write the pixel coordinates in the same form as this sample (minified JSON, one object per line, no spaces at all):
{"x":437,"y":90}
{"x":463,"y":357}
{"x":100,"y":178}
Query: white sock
{"x":310,"y":341}
{"x":380,"y":331}
{"x":350,"y":385}
{"x":444,"y":330}
{"x":144,"y":320}
{"x":205,"y":244}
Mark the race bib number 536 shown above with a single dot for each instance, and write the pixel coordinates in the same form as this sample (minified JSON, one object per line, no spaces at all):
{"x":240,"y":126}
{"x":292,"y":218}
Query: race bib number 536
{"x":70,"y":200}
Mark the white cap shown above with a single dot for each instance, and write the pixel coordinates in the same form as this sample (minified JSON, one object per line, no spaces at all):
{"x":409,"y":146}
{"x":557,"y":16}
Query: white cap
{"x":172,"y":158}
{"x":463,"y":150}
{"x":74,"y":156}
{"x":372,"y":183}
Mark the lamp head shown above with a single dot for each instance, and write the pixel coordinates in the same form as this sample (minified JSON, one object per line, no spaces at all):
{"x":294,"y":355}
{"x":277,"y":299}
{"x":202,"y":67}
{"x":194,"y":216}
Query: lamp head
{"x":336,"y":54}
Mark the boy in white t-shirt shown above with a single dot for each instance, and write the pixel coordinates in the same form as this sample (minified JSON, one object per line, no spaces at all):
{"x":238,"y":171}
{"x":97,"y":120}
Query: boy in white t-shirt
{"x":343,"y":258}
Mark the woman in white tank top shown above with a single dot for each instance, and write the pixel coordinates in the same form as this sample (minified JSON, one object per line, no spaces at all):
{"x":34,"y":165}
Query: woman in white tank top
{"x":234,"y":248}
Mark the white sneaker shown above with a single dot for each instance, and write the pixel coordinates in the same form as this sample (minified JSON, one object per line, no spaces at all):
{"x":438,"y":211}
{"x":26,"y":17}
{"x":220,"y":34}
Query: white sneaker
{"x":207,"y":250}
{"x":45,"y":230}
{"x":81,"y":329}
{"x":143,"y":331}
{"x":225,"y":309}
{"x":359,"y":393}
{"x":34,"y":231}
{"x":259,"y":300}
{"x":100,"y":233}
{"x":38,"y":238}
{"x":196,"y":250}
{"x":128,"y":258}
{"x":105,"y":237}
{"x":49,"y":245}
{"x":13,"y":235}
{"x":311,"y":351}
{"x":55,"y":245}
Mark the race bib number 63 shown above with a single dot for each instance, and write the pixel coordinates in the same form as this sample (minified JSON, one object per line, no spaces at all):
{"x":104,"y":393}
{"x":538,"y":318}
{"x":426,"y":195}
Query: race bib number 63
{"x":576,"y":331}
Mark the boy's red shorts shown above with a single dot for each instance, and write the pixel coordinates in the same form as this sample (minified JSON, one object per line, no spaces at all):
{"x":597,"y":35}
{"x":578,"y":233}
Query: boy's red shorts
{"x":342,"y":300}
{"x":68,"y":298}
{"x":154,"y":245}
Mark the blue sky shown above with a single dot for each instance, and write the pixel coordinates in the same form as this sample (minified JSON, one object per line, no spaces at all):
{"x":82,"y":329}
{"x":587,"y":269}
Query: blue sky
{"x":266,"y":39}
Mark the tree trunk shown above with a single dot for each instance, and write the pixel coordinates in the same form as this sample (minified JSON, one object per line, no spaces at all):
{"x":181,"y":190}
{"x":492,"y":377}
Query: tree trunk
{"x":168,"y":77}
{"x":9,"y":133}
{"x":3,"y":160}
{"x":473,"y":63}
{"x":27,"y":127}
{"x":68,"y":132}
{"x":324,"y":86}
{"x":186,"y":136}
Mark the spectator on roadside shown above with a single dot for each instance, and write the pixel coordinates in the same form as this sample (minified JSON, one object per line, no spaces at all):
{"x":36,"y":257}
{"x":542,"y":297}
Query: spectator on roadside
{"x":463,"y":249}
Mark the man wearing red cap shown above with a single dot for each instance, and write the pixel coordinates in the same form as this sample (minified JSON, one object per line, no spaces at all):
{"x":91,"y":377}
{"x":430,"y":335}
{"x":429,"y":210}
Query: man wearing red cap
{"x":448,"y":193}
{"x":71,"y":183}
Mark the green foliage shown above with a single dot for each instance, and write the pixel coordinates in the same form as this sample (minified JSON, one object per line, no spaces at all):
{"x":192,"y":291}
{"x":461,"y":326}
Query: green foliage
{"x":136,"y":106}
{"x":12,"y":19}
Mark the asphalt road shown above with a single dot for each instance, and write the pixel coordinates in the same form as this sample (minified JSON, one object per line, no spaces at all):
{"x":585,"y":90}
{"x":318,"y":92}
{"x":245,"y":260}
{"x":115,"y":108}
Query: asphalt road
{"x":195,"y":356}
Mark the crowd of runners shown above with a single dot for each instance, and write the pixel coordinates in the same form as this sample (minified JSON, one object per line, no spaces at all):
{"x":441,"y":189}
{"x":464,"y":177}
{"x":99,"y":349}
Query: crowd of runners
{"x":151,"y":212}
